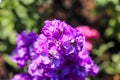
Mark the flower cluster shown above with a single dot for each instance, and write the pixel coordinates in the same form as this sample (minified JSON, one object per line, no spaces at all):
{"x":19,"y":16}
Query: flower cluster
{"x":89,"y":34}
{"x":24,"y":42}
{"x":55,"y":54}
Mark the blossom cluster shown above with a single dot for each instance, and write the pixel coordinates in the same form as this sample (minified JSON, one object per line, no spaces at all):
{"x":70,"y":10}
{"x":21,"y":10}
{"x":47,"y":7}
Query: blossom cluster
{"x":56,"y":53}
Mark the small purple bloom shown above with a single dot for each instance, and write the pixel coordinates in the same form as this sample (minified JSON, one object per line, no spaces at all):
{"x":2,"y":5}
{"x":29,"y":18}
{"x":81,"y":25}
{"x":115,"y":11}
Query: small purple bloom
{"x":20,"y":56}
{"x":22,"y":76}
{"x":25,"y":39}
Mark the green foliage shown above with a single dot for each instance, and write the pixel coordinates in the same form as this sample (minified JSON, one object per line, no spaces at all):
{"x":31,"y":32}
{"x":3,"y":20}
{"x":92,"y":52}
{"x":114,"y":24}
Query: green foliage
{"x":102,"y":48}
{"x":15,"y":16}
{"x":108,"y":51}
{"x":112,"y":9}
{"x":114,"y":66}
{"x":8,"y":60}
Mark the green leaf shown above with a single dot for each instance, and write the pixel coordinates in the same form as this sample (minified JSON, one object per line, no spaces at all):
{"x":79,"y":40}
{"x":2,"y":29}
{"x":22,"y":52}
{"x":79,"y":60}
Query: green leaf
{"x":109,"y":32}
{"x":9,"y":61}
{"x":27,"y":2}
{"x":112,"y":22}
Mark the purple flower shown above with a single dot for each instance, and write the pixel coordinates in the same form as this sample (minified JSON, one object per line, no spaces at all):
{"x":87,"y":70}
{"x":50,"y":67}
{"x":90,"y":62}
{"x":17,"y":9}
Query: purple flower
{"x":55,"y":54}
{"x":22,"y":76}
{"x":25,"y":39}
{"x":21,"y":53}
{"x":41,"y":44}
{"x":53,"y":28}
{"x":35,"y":70}
{"x":20,"y":56}
{"x":86,"y":62}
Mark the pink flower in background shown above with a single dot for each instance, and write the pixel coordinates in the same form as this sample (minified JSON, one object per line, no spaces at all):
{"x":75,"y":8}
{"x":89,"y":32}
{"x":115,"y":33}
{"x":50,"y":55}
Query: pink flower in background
{"x":88,"y":45}
{"x":89,"y":33}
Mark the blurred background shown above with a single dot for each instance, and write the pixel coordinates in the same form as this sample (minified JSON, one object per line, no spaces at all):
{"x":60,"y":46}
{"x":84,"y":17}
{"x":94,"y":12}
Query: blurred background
{"x":29,"y":15}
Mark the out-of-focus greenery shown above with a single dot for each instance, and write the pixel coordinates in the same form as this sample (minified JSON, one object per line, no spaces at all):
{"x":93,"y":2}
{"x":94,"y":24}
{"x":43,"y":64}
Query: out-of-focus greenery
{"x":19,"y":15}
{"x":108,"y":52}
{"x":112,"y":26}
{"x":112,"y":9}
